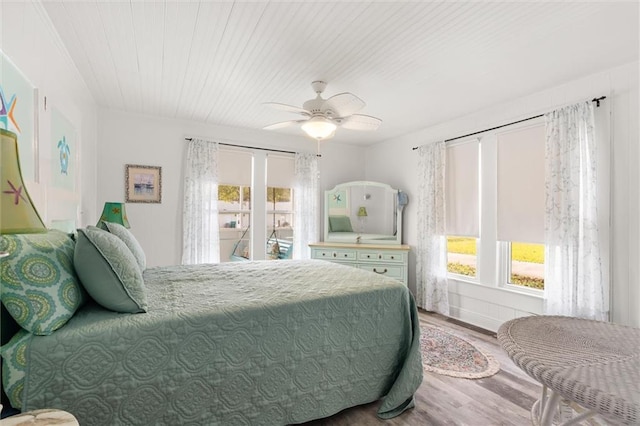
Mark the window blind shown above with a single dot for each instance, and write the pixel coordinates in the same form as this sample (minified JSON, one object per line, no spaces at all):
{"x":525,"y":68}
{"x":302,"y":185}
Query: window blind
{"x":234,"y":167}
{"x":521,"y":192}
{"x":280,"y":171}
{"x":462,"y":189}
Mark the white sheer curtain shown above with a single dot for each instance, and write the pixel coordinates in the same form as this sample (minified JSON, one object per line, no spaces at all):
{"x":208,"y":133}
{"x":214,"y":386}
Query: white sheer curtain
{"x":201,"y":236}
{"x":306,"y":205}
{"x":574,"y":281}
{"x":431,"y":268}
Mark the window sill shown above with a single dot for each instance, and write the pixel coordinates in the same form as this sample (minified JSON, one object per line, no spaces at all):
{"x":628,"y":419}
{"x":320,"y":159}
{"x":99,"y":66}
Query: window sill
{"x":523,"y":290}
{"x":509,"y":288}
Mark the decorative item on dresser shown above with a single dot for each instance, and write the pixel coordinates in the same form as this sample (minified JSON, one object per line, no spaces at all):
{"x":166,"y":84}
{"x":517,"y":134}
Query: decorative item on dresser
{"x":388,"y":260}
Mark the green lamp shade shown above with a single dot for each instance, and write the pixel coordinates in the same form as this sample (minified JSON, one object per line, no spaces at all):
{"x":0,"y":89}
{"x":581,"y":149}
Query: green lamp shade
{"x":17,"y":213}
{"x":362,"y":212}
{"x":114,"y":213}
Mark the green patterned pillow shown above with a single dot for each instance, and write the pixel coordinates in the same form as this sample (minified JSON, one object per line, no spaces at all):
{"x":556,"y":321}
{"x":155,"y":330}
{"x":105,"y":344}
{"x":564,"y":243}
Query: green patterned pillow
{"x":127,"y":237}
{"x":109,"y":271}
{"x":14,"y":367}
{"x":40,"y":288}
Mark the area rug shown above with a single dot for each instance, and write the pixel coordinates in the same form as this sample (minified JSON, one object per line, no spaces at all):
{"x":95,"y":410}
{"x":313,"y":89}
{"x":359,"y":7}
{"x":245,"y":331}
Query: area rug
{"x":444,"y":353}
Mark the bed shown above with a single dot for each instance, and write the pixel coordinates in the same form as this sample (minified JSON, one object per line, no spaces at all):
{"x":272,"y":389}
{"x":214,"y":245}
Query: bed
{"x":234,"y":343}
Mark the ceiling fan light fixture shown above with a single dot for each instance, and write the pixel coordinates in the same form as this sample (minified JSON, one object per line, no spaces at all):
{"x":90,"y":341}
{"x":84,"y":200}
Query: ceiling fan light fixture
{"x":319,"y":128}
{"x":321,"y":117}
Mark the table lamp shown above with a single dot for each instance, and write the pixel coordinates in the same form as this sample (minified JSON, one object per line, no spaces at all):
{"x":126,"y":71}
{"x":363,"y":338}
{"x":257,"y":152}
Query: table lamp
{"x":17,"y":212}
{"x":362,"y":213}
{"x":114,"y":213}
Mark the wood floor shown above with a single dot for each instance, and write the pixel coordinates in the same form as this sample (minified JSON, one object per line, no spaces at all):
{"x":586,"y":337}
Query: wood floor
{"x":503,"y":399}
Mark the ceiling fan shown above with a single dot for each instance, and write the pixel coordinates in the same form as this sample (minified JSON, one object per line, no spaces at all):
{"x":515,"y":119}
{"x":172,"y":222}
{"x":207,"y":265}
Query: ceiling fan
{"x":323,"y":116}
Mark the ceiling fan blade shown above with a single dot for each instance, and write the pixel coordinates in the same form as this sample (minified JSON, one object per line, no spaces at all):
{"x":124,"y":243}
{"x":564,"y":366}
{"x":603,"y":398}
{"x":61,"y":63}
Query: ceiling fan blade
{"x":343,"y":104}
{"x":283,"y":124}
{"x":288,"y":108}
{"x":359,"y":122}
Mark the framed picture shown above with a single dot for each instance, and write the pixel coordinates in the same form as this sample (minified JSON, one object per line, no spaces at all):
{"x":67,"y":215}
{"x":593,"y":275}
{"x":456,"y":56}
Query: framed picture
{"x":143,"y":184}
{"x":19,"y":115}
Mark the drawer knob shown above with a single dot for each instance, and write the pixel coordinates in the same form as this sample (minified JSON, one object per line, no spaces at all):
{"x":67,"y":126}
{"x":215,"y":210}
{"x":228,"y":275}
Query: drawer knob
{"x":392,"y":257}
{"x":379,"y":256}
{"x":368,"y":256}
{"x":324,"y":254}
{"x":380,"y":272}
{"x":334,"y":254}
{"x":345,"y":255}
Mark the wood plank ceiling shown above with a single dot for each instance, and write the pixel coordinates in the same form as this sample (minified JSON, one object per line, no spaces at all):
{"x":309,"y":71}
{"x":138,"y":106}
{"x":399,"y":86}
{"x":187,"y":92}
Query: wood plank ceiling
{"x":413,"y":63}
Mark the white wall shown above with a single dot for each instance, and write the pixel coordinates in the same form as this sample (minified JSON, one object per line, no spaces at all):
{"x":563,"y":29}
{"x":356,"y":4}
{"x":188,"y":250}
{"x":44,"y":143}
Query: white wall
{"x":29,"y":40}
{"x":126,"y":138}
{"x":394,"y":162}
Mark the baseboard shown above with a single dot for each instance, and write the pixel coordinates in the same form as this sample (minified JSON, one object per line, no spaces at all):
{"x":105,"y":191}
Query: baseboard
{"x":471,"y":326}
{"x":460,"y":323}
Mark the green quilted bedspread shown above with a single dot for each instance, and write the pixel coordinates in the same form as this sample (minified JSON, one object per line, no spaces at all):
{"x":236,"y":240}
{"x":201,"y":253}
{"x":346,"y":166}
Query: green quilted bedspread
{"x":235,"y":343}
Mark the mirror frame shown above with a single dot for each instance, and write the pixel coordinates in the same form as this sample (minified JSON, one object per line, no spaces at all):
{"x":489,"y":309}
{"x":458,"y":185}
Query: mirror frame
{"x":363,"y":240}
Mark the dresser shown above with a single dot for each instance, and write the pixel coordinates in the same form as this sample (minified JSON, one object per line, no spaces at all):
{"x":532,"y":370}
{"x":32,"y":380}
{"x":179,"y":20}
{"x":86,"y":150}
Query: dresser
{"x":389,"y":260}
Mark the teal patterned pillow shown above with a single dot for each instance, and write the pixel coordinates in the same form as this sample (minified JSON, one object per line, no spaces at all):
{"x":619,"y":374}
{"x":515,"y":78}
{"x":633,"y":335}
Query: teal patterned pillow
{"x":340,"y":224}
{"x":40,"y":288}
{"x":14,"y":367}
{"x":109,"y":271}
{"x":127,"y":237}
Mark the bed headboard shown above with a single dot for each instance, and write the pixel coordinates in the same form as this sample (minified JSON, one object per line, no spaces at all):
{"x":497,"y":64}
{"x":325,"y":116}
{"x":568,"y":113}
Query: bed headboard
{"x":8,"y":328}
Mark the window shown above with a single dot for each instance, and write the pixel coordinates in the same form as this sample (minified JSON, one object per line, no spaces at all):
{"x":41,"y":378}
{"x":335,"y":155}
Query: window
{"x":526,"y":265}
{"x":234,"y":204}
{"x":496,"y":185}
{"x":280,"y":177}
{"x":280,"y":211}
{"x":461,"y":255}
{"x":463,"y":217}
{"x":520,"y":199}
{"x":255,"y":203}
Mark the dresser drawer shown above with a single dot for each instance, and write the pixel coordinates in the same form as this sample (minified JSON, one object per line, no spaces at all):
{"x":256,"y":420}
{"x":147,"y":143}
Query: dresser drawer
{"x":392,"y":271}
{"x":329,"y":254}
{"x":393,"y":257}
{"x":386,"y":260}
{"x":387,"y":257}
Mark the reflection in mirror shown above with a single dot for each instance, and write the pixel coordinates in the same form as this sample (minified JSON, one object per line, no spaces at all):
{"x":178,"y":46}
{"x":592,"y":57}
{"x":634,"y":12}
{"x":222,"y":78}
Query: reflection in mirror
{"x":363,"y":212}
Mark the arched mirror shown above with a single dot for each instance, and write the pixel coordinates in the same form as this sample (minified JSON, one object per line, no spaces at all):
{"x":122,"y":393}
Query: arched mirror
{"x":363,"y":212}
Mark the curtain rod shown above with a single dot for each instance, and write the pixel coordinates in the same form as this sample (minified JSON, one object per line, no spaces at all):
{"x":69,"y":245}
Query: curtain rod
{"x":254,"y":147}
{"x":596,"y":100}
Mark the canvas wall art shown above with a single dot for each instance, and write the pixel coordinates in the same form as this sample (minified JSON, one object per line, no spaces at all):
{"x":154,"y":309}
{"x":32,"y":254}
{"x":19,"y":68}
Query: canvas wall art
{"x":18,"y":109}
{"x":63,"y":151}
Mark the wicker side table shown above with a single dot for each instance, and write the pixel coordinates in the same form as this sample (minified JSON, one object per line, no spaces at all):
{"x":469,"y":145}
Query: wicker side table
{"x":592,"y":363}
{"x":41,"y":418}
